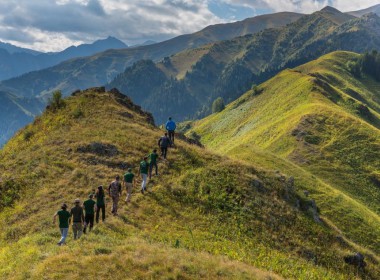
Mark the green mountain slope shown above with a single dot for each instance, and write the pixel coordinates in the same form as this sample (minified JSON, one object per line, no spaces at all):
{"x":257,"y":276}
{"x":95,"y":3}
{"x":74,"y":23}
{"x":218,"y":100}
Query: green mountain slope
{"x":205,"y":216}
{"x":321,"y":122}
{"x":195,"y":78}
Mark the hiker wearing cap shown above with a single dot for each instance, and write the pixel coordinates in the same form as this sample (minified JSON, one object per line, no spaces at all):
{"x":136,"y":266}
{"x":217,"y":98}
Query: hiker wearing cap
{"x":128,"y":183}
{"x":100,"y":203}
{"x":170,"y":127}
{"x":89,"y":206}
{"x":78,"y":219}
{"x":143,"y":172}
{"x":114,"y":190}
{"x":164,"y":143}
{"x":64,"y":221}
{"x":153,"y":163}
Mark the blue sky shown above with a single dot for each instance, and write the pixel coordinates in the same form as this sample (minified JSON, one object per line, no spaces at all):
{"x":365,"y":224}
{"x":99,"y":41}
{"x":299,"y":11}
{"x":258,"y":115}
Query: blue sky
{"x":52,"y":25}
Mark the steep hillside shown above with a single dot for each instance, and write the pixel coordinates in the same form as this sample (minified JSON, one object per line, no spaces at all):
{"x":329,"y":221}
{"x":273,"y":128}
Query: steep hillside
{"x":16,"y":61}
{"x":102,"y":68}
{"x":205,"y":216}
{"x":16,"y":113}
{"x":195,"y":78}
{"x":316,"y":120}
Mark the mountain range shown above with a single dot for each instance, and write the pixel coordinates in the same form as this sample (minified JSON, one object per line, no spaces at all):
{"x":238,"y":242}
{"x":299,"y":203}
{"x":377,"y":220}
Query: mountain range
{"x":191,"y":77}
{"x":186,"y":84}
{"x":16,"y":61}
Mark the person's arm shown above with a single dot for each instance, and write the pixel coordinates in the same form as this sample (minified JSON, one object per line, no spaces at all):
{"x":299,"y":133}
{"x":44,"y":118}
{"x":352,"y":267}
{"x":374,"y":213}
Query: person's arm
{"x":82,"y":216}
{"x":55,"y":217}
{"x":120,"y":189}
{"x":159,"y":142}
{"x":175,"y":125}
{"x":109,"y":189}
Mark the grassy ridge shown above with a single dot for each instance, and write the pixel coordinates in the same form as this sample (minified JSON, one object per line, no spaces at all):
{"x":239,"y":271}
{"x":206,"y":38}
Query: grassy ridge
{"x":320,"y":124}
{"x":206,"y":216}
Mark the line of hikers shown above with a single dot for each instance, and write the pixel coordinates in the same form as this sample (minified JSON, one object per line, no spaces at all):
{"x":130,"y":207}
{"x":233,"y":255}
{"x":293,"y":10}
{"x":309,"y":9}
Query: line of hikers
{"x":92,"y":209}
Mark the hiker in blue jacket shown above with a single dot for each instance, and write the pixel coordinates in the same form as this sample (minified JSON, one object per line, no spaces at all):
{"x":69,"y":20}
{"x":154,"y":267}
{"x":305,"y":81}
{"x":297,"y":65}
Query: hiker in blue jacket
{"x":170,"y":127}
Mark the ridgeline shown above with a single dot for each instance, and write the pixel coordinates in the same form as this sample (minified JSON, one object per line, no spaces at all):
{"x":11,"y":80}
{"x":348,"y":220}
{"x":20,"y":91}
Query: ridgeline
{"x":204,"y":217}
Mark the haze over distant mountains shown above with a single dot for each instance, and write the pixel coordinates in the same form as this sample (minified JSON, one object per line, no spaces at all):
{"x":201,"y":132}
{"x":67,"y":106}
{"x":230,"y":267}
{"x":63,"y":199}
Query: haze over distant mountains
{"x":15,"y":61}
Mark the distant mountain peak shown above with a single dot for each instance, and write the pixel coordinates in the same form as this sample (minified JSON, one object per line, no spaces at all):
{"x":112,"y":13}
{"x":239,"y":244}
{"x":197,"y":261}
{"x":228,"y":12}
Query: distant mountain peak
{"x":329,"y":9}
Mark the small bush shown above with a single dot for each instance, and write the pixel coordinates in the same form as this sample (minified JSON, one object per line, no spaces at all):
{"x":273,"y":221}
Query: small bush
{"x":56,"y":101}
{"x":218,"y":105}
{"x":78,"y":113}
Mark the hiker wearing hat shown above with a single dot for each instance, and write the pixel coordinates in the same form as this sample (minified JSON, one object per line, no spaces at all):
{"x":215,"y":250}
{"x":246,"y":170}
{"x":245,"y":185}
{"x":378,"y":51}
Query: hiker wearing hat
{"x":89,"y":206}
{"x":64,"y":221}
{"x":114,"y":191}
{"x":128,"y":183}
{"x":143,"y":172}
{"x":78,"y":219}
{"x":100,"y":203}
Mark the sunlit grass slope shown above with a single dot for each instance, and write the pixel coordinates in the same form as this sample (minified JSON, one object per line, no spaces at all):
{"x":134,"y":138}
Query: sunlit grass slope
{"x":205,"y":216}
{"x":320,"y":124}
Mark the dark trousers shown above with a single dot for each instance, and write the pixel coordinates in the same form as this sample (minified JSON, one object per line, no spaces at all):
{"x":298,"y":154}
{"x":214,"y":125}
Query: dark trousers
{"x":151,"y":165}
{"x":164,"y":151}
{"x":103,"y":213}
{"x":89,"y":220}
{"x":171,"y":135}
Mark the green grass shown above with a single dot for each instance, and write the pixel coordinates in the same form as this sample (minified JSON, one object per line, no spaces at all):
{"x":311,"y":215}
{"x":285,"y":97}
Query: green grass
{"x":203,"y":217}
{"x":305,"y":124}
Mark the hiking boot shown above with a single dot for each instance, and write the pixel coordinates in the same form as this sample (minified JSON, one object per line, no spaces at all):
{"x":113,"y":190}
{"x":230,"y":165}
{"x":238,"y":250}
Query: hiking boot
{"x":142,"y":191}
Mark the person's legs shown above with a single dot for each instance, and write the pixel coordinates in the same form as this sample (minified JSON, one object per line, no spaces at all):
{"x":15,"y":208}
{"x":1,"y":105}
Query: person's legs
{"x":86,"y":222}
{"x":129,"y":192}
{"x":116,"y":203}
{"x":75,"y":230}
{"x":171,"y":136}
{"x":64,"y":232}
{"x":162,"y":151}
{"x":144,"y":178}
{"x":97,"y":213}
{"x":165,"y":152}
{"x":150,"y":170}
{"x":156,"y":167}
{"x":103,"y":212}
{"x":91,"y":221}
{"x":113,"y":204}
{"x":80,"y":229}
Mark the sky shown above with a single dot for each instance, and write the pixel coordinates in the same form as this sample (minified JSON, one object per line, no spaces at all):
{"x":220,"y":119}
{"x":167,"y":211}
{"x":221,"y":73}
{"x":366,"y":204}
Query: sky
{"x":53,"y":25}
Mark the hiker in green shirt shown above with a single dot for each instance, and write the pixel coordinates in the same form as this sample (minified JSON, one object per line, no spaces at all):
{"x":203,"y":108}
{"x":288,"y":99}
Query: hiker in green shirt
{"x":143,"y":171}
{"x":128,"y":183}
{"x":64,"y":221}
{"x":89,"y":206}
{"x":78,"y":219}
{"x":153,"y":162}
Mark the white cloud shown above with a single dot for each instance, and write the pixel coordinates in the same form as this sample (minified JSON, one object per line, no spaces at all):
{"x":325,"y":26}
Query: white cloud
{"x":52,"y":25}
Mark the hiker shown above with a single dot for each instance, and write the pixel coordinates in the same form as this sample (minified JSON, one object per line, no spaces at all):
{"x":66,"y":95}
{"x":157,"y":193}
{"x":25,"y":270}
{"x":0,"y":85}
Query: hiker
{"x":64,"y":221}
{"x":164,"y":143}
{"x":100,"y":203}
{"x":143,"y":171}
{"x":153,"y":163}
{"x":114,"y":191}
{"x":89,"y":206}
{"x":170,"y":127}
{"x":128,"y":183}
{"x":78,"y":219}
